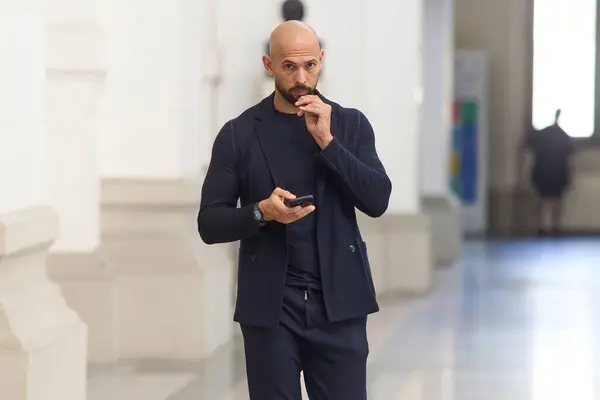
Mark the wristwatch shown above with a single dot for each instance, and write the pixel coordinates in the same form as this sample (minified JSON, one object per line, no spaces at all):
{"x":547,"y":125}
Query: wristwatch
{"x":257,"y":214}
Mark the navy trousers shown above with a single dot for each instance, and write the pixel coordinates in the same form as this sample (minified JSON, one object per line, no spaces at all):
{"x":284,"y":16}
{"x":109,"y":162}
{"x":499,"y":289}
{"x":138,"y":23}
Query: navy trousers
{"x":333,"y":356}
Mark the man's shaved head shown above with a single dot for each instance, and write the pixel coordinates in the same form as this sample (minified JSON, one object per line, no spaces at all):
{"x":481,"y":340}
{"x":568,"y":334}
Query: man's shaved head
{"x":292,"y":34}
{"x":294,"y":60}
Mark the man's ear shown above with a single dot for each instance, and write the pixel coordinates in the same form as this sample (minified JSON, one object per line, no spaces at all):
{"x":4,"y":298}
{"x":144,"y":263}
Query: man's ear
{"x":268,"y":65}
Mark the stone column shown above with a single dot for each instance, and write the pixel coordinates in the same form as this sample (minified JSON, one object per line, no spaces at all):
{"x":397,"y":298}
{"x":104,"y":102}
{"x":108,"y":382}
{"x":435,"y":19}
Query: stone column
{"x":75,"y":74}
{"x":399,"y":244}
{"x":42,"y":340}
{"x":175,"y":293}
{"x":436,"y":130}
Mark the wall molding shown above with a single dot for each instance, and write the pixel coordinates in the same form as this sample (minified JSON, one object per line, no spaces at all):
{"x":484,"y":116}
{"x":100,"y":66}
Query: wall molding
{"x":446,"y":229}
{"x":75,"y":48}
{"x":27,"y":230}
{"x":400,"y":252}
{"x":40,"y":336}
{"x":150,"y":193}
{"x":175,"y":293}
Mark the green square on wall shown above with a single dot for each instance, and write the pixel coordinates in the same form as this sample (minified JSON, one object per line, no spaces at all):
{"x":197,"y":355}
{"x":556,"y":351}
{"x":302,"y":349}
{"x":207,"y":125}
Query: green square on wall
{"x":469,"y":111}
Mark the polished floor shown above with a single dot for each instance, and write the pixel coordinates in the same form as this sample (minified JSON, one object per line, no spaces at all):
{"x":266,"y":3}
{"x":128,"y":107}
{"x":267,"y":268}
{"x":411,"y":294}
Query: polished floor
{"x":512,"y":321}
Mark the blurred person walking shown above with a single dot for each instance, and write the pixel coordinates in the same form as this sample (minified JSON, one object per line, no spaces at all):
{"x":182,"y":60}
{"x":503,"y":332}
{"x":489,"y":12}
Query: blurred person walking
{"x":552,"y":150}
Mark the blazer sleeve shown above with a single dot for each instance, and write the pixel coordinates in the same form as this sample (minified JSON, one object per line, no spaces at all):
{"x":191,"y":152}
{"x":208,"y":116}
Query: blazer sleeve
{"x":220,"y":220}
{"x":362,"y":174}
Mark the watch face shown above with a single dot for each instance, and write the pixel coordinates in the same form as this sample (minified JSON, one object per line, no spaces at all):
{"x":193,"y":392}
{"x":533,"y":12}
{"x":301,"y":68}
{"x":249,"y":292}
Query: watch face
{"x":257,"y":215}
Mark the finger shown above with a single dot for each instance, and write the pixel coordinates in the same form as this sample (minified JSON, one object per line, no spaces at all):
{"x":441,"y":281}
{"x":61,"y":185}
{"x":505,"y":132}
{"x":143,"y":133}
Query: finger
{"x":294,"y":210}
{"x":305,"y":211}
{"x":290,"y":214}
{"x":313,"y":109}
{"x":308,"y":210}
{"x":284,"y":193}
{"x":297,"y":212}
{"x":297,"y":215}
{"x":308,"y":99}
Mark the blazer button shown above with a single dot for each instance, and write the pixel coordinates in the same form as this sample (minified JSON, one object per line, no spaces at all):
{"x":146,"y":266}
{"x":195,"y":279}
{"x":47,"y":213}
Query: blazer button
{"x":254,"y":258}
{"x":351,"y":248}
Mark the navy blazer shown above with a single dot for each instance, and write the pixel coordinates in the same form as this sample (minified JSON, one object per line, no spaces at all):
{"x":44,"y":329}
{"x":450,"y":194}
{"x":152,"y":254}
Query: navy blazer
{"x":245,"y":165}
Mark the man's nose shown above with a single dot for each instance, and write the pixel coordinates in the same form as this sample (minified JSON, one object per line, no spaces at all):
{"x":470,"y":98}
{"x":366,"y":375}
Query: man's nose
{"x":301,"y":76}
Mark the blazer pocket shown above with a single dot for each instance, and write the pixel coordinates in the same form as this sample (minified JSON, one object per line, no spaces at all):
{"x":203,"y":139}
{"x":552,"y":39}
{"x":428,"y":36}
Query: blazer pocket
{"x":247,"y":255}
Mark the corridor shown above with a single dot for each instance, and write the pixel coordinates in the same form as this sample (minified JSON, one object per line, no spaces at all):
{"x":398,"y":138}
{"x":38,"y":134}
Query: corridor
{"x":512,"y":321}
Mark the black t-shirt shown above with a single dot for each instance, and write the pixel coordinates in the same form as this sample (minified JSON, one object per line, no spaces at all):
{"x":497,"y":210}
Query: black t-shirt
{"x":299,"y":174}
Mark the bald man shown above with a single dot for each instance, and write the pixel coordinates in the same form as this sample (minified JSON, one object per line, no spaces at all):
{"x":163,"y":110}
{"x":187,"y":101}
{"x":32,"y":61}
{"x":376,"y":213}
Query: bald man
{"x":304,"y":282}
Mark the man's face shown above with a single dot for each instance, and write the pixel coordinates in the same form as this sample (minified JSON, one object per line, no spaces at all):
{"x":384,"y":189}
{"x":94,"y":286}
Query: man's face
{"x":296,"y":73}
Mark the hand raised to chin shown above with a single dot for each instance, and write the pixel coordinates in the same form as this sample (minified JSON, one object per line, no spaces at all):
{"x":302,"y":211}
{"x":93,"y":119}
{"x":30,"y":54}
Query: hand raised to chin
{"x":318,"y":118}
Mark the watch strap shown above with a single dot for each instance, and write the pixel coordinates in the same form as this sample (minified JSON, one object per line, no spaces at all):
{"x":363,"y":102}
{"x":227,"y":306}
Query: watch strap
{"x":257,"y":214}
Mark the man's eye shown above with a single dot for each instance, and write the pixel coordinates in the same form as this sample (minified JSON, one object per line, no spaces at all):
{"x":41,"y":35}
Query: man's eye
{"x":311,"y":65}
{"x":288,"y":66}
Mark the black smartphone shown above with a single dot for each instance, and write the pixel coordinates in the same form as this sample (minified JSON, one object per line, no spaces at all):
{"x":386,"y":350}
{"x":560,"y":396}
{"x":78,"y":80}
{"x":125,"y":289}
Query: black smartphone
{"x":300,"y":201}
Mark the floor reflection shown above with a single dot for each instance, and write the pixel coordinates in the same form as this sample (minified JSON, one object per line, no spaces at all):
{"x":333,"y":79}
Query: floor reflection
{"x":511,"y":321}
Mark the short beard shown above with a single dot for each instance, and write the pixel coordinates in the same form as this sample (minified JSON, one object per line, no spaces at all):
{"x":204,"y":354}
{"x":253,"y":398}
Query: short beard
{"x":292,"y":99}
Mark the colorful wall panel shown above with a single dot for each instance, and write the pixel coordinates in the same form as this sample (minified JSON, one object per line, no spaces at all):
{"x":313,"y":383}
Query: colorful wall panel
{"x":469,"y":160}
{"x":464,"y":166}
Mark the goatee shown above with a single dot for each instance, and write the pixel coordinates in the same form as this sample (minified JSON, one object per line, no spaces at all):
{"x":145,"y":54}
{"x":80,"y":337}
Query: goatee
{"x":292,"y":98}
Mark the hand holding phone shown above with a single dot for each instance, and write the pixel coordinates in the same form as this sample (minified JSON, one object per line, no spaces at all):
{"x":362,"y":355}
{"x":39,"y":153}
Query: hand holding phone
{"x":284,"y":207}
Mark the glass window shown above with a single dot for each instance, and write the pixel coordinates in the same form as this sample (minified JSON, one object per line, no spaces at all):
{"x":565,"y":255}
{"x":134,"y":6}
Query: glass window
{"x":564,"y":64}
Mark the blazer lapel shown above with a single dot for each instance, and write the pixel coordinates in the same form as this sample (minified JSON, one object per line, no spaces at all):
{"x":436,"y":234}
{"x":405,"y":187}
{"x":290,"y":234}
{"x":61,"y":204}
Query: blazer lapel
{"x":266,"y":131}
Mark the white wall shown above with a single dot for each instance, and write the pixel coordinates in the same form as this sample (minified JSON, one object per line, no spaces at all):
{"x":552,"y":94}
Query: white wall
{"x":435,"y":133}
{"x":393,"y":91}
{"x":243,"y":29}
{"x":152,"y":110}
{"x":199,"y":75}
{"x":22,"y":74}
{"x":160,"y":116}
{"x":74,"y":82}
{"x":140,"y":135}
{"x":343,"y":40}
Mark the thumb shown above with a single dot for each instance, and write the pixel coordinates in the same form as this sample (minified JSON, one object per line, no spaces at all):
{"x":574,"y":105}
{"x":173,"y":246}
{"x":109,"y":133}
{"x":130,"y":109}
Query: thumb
{"x":284,"y":194}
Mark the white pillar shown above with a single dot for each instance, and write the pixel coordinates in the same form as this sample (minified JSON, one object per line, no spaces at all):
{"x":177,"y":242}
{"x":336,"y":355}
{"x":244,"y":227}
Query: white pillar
{"x":242,"y":46}
{"x":42,"y":341}
{"x":342,"y":38}
{"x":400,"y":250}
{"x":393,"y":99}
{"x":75,"y":77}
{"x":159,"y":68}
{"x":156,"y":136}
{"x":436,"y":115}
{"x":75,"y":74}
{"x":435,"y":133}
